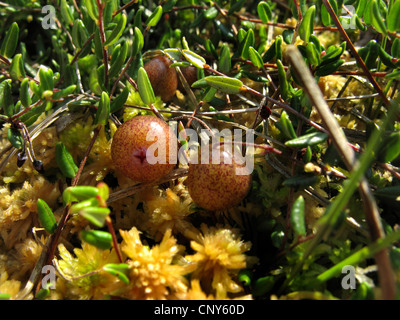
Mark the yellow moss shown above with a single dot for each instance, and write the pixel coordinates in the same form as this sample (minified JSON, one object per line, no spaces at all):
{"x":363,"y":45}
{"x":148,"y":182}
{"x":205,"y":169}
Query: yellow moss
{"x":44,"y":149}
{"x":219,"y":257}
{"x":153,"y":273}
{"x":10,"y":287}
{"x":166,"y":210}
{"x":88,"y":259}
{"x":17,"y":206}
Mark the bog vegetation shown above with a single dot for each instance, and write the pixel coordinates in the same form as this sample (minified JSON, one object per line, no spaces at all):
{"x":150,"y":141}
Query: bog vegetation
{"x":315,"y":83}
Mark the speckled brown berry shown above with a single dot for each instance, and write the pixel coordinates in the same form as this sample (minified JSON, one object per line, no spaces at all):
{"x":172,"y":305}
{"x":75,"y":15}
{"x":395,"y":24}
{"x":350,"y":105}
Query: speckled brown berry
{"x":130,"y":145}
{"x":164,"y":79}
{"x":190,"y":74}
{"x":218,"y":186}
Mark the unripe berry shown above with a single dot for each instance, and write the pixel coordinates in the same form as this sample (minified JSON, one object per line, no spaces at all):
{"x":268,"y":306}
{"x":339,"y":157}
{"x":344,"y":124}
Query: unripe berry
{"x":164,"y":79}
{"x":131,"y":143}
{"x":218,"y":186}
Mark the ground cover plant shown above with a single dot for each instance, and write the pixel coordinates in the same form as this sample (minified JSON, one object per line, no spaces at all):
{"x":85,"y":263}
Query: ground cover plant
{"x":305,"y":91}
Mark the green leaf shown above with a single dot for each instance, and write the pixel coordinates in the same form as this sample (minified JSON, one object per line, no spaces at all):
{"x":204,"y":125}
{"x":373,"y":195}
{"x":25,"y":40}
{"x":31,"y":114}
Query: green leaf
{"x":121,"y":271}
{"x":117,"y":31}
{"x":263,"y":285}
{"x":65,"y":161}
{"x":79,"y":193}
{"x":118,"y":58}
{"x":79,"y":34}
{"x":236,"y":6}
{"x":6,"y":101}
{"x":31,"y":116}
{"x":393,"y":21}
{"x":225,"y":84}
{"x":393,"y":75}
{"x":211,"y":13}
{"x":145,"y":89}
{"x":270,"y":54}
{"x":195,"y":59}
{"x":395,"y":50}
{"x":42,"y":293}
{"x":310,"y":139}
{"x":283,"y":82}
{"x":97,"y":238}
{"x":359,"y":24}
{"x":66,"y":12}
{"x":9,"y":43}
{"x":91,"y":7}
{"x":119,"y":101}
{"x":312,"y":54}
{"x":138,"y":42}
{"x":287,"y":126}
{"x":15,"y":138}
{"x":103,"y":111}
{"x":386,"y":58}
{"x":245,"y":44}
{"x":84,"y":204}
{"x":255,"y":58}
{"x":333,"y":52}
{"x":377,"y":20}
{"x":46,"y":216}
{"x":46,"y":79}
{"x":264,"y":11}
{"x":390,"y":193}
{"x":325,"y":16}
{"x":211,"y":48}
{"x":370,"y":53}
{"x":154,"y":17}
{"x":17,"y":70}
{"x":225,"y":59}
{"x":306,"y":27}
{"x":104,"y":190}
{"x":64,"y":92}
{"x":5,"y":296}
{"x":297,"y":217}
{"x":390,"y":148}
{"x":245,"y":276}
{"x":287,"y":36}
{"x":329,"y":68}
{"x":24,"y":95}
{"x":96,"y":215}
{"x":278,"y":48}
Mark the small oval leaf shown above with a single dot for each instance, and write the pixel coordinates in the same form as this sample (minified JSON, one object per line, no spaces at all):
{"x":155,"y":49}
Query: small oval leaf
{"x":96,"y":215}
{"x":79,"y":193}
{"x":46,"y":216}
{"x":103,"y":111}
{"x":194,"y":58}
{"x":154,"y":17}
{"x":310,"y":139}
{"x":9,"y":43}
{"x":117,"y":31}
{"x":15,"y":138}
{"x":121,"y":271}
{"x":393,"y":21}
{"x":138,"y":42}
{"x":225,"y":84}
{"x":97,"y":238}
{"x":255,"y":58}
{"x":297,"y":217}
{"x":306,"y":27}
{"x":264,"y":11}
{"x":65,"y":161}
{"x":144,"y":85}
